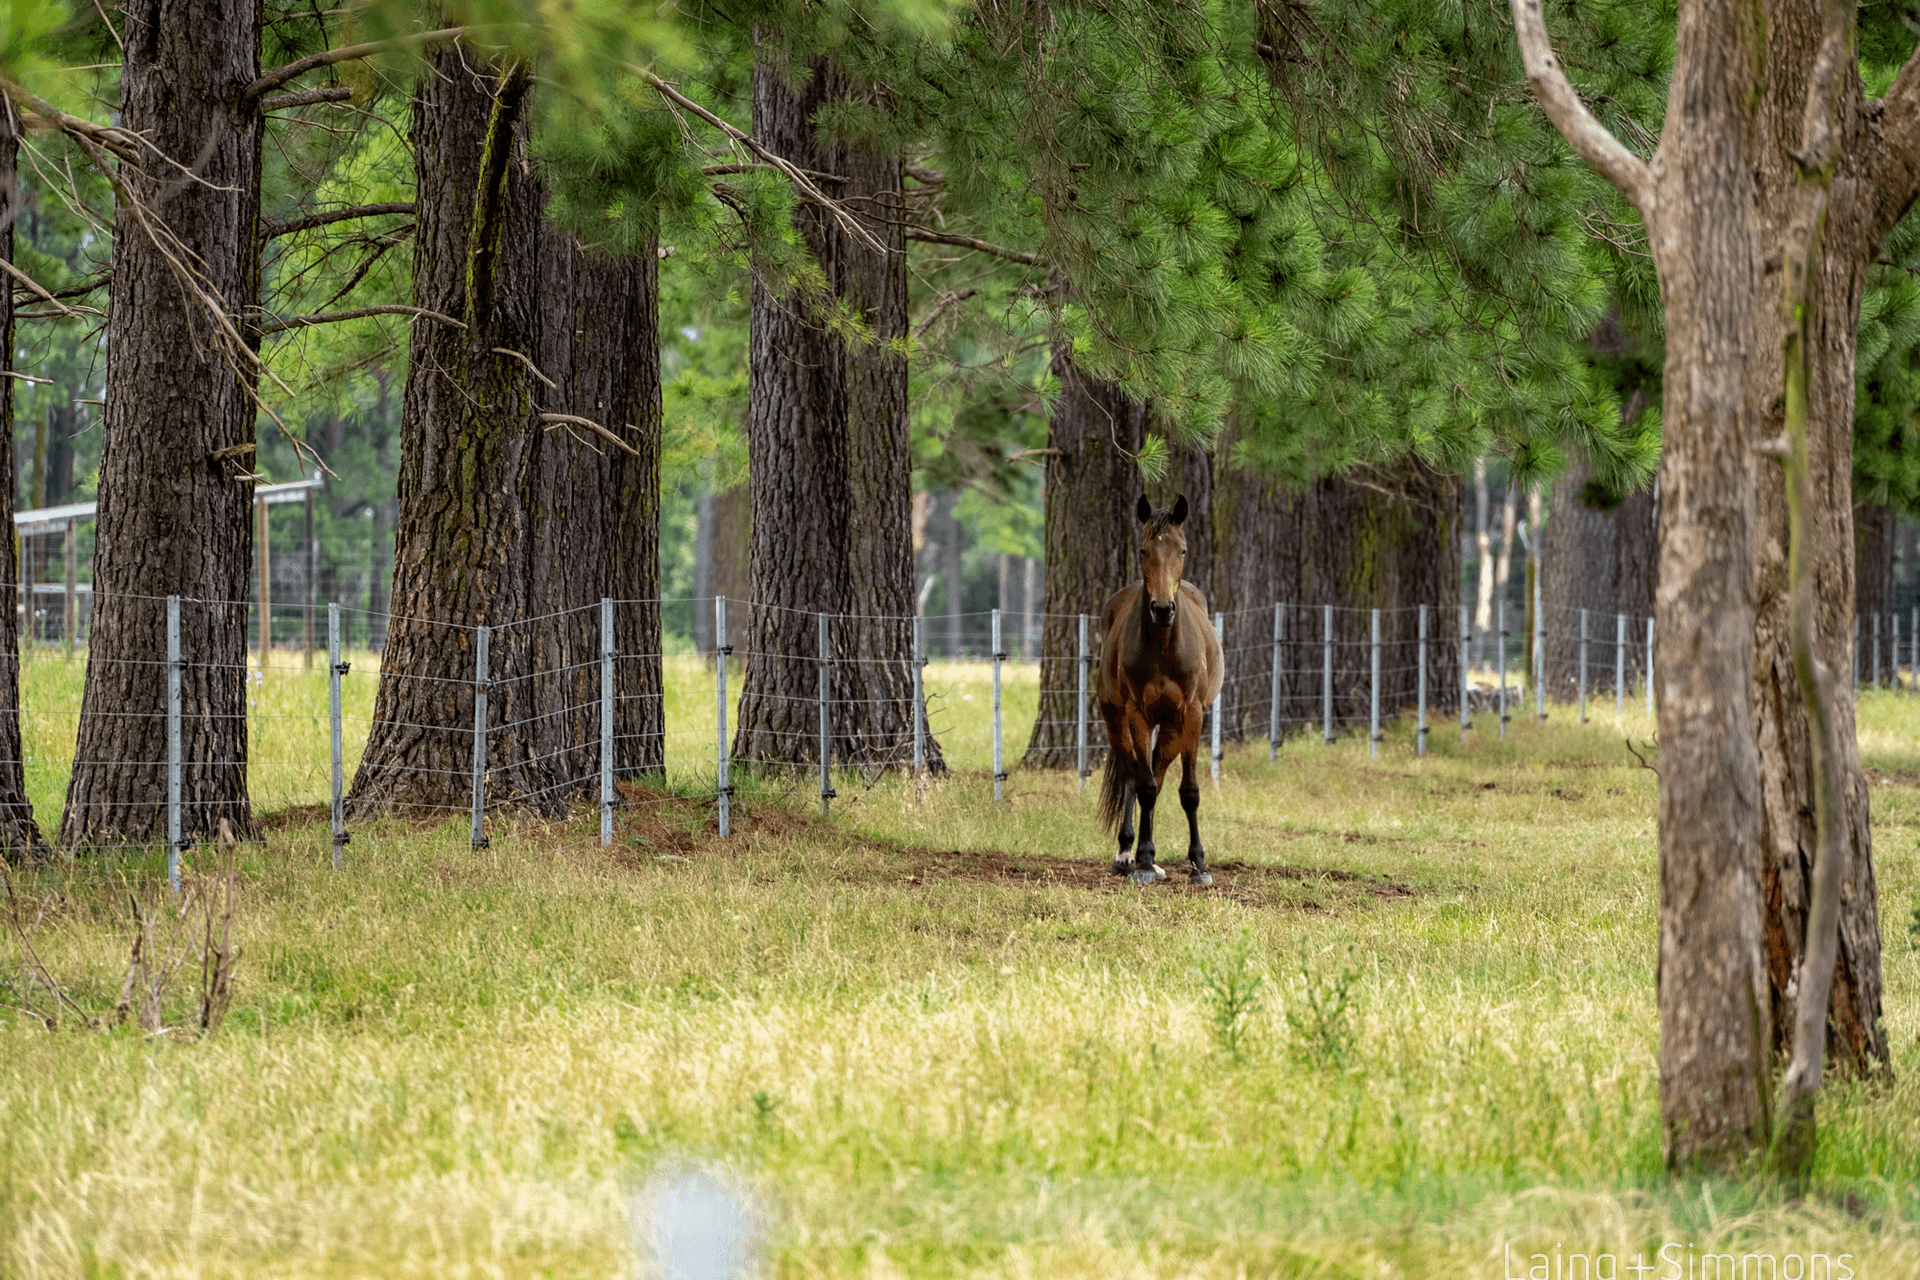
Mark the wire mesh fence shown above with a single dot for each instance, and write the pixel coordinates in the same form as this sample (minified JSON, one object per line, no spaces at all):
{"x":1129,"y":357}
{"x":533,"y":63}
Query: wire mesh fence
{"x":176,"y":717}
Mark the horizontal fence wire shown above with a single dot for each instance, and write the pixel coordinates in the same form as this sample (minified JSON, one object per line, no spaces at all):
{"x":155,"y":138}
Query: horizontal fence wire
{"x":266,"y":737}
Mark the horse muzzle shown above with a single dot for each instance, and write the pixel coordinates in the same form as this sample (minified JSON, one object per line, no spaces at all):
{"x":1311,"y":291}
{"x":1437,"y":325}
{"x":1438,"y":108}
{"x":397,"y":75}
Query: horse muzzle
{"x":1160,"y":615}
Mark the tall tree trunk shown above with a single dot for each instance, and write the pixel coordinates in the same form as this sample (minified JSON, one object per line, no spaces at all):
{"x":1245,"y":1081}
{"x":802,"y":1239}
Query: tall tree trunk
{"x":733,"y":545}
{"x":468,"y":433}
{"x":829,"y":466}
{"x":594,"y":510}
{"x":174,"y":504}
{"x":1483,"y":546}
{"x":1383,"y":544}
{"x":1503,"y":564}
{"x":873,"y":719}
{"x":1714,"y":1019}
{"x":1599,"y":555}
{"x":19,"y":834}
{"x":1091,"y":486}
{"x":1869,"y":196}
{"x":1727,"y":197}
{"x":1705,"y":232}
{"x":1256,"y":564}
{"x":1390,"y":542}
{"x":1873,"y":544}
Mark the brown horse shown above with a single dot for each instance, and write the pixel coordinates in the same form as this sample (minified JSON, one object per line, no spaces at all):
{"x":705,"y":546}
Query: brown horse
{"x":1160,"y":668}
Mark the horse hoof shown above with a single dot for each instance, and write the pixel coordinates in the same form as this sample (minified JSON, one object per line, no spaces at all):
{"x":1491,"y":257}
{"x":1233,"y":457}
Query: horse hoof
{"x":1148,"y":876}
{"x":1199,"y":877}
{"x":1121,"y":866}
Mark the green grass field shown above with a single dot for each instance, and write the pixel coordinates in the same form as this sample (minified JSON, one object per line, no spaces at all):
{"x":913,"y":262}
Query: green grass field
{"x":1409,"y":1032}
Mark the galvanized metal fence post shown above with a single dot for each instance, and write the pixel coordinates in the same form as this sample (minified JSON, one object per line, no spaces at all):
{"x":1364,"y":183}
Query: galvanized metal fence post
{"x":480,"y":637}
{"x":1273,"y":706}
{"x":1375,"y":693}
{"x":919,"y":696}
{"x":1649,"y":666}
{"x":1500,"y":624}
{"x":1855,"y":675}
{"x":336,"y":669}
{"x":723,"y":785}
{"x":826,"y":730}
{"x":606,"y":721}
{"x":174,"y":665}
{"x":1583,"y":666}
{"x":1619,"y":666}
{"x":1466,"y":671}
{"x":1420,"y":737}
{"x":1080,"y":708}
{"x":1326,"y":681}
{"x":1220,"y":633}
{"x":999,"y":765}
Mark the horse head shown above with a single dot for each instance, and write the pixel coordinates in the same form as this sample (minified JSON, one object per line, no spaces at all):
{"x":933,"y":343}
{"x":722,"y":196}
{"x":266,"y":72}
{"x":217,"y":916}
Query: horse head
{"x":1163,"y":556}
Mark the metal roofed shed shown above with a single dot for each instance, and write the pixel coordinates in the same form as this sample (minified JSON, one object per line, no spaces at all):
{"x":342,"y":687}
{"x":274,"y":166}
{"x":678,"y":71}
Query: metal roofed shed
{"x":66,"y":519}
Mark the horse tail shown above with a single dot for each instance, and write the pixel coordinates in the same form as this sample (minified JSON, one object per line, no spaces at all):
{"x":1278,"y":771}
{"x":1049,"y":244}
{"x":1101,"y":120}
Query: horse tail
{"x":1113,"y":791}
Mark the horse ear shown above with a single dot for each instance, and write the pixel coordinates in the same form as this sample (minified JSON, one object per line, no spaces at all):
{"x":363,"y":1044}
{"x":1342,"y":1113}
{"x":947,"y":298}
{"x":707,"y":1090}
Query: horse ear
{"x":1179,"y":513}
{"x":1143,"y":509}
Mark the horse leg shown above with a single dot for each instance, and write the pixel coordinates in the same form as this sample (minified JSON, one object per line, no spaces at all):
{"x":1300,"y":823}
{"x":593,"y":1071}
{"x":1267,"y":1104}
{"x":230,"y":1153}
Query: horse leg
{"x":1123,"y":861}
{"x":1152,"y":770}
{"x":1190,"y":801}
{"x":1147,"y":788}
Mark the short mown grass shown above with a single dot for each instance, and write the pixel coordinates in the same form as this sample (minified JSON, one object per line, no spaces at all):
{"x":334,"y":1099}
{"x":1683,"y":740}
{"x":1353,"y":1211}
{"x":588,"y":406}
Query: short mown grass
{"x":932,"y":1034}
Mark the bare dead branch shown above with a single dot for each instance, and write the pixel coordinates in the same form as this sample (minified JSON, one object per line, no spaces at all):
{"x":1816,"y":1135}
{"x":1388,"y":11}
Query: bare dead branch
{"x":35,"y":286}
{"x":329,"y":317}
{"x":948,"y":301}
{"x":305,"y":97}
{"x":572,"y":419}
{"x":48,"y":116}
{"x":926,"y":235}
{"x":273,"y":230}
{"x":527,"y":360}
{"x":719,"y":170}
{"x":1586,"y":135}
{"x":794,"y":174}
{"x":90,"y":285}
{"x":326,"y":58}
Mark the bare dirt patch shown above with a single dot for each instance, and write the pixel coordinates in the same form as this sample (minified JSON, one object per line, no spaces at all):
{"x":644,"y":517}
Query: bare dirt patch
{"x":658,"y":829}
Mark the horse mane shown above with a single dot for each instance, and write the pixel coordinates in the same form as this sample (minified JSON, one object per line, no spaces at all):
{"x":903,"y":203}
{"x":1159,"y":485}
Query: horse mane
{"x":1159,"y":522}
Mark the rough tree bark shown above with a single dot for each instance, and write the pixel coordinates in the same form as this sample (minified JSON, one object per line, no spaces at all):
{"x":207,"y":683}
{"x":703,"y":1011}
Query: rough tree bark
{"x":1875,"y":182}
{"x":174,"y":502}
{"x":468,"y":432}
{"x":19,"y":834}
{"x":828,"y":463}
{"x":1736,"y":829}
{"x":733,"y":543}
{"x":1091,"y":486}
{"x":1599,"y":555}
{"x":1383,"y":541}
{"x":594,"y":510}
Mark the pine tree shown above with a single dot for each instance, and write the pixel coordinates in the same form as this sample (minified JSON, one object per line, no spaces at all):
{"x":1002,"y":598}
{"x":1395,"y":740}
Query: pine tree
{"x":175,"y":492}
{"x":19,"y":834}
